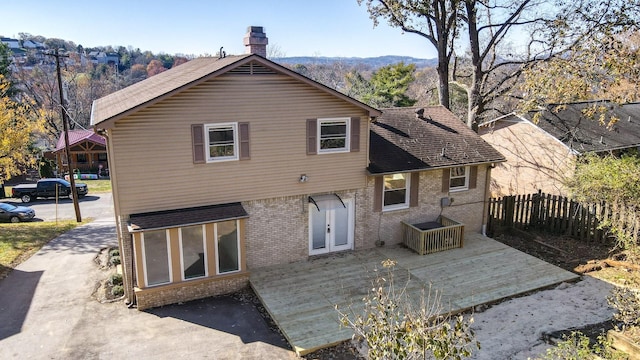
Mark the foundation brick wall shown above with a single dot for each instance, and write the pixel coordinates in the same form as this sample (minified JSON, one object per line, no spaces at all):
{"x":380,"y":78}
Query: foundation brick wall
{"x":125,"y":245}
{"x":277,"y":230}
{"x":190,"y":290}
{"x":467,"y":207}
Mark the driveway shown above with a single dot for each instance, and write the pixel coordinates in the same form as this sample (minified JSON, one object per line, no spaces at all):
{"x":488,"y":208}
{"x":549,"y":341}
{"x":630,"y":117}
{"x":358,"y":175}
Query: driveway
{"x":93,"y":206}
{"x":47,"y":312}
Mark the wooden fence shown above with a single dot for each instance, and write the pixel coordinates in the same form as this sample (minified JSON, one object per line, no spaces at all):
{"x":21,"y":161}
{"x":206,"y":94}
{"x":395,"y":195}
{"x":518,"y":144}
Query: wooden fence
{"x":560,"y":215}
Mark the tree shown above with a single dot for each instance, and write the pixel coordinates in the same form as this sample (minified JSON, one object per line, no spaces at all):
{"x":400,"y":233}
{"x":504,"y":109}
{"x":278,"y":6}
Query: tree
{"x":389,"y":85}
{"x":155,"y":67}
{"x":435,"y":20}
{"x":396,"y":326}
{"x":594,"y":70}
{"x":504,"y":37}
{"x":17,"y":127}
{"x":613,"y":180}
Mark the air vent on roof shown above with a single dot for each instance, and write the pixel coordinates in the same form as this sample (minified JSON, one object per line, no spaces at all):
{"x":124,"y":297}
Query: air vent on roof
{"x":252,"y":69}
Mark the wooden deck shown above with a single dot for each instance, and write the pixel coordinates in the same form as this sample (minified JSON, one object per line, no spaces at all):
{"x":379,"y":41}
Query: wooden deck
{"x":301,"y":296}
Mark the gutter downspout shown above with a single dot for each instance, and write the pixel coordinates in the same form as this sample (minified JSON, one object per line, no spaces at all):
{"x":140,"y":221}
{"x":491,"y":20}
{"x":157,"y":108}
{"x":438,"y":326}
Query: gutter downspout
{"x":487,"y":193}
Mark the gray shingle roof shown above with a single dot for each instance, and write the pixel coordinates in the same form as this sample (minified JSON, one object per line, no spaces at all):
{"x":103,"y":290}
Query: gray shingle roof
{"x":400,"y":141}
{"x":187,"y":216}
{"x":582,"y":134}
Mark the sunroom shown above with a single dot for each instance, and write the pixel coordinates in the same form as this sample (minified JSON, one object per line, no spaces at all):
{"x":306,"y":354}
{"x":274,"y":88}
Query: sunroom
{"x":189,"y":253}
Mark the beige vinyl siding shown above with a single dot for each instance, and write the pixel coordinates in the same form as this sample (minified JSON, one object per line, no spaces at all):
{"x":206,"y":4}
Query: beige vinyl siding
{"x":152,"y":148}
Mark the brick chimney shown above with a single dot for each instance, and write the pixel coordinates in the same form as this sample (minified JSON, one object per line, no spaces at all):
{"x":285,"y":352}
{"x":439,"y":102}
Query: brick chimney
{"x":256,"y":41}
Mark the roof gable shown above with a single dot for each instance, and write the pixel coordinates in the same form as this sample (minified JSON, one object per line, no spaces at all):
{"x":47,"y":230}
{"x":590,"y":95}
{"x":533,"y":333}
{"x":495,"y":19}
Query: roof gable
{"x":400,"y":141}
{"x":105,"y":111}
{"x":77,"y":136}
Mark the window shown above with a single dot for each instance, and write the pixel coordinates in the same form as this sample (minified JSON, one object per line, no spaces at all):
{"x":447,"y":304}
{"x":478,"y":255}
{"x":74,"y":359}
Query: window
{"x":82,"y":158}
{"x":222,"y":141}
{"x":192,"y":252}
{"x":395,"y":191}
{"x":102,"y":156}
{"x":155,"y":253}
{"x":333,"y":135}
{"x":459,"y":178}
{"x":228,"y":246}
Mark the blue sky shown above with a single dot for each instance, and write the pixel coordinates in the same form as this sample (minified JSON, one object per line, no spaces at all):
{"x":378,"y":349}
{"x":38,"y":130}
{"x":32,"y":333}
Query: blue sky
{"x":298,"y":28}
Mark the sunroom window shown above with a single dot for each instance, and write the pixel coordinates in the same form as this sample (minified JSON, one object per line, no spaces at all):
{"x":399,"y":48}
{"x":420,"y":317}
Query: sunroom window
{"x":193,"y":252}
{"x":155,"y":248}
{"x":228,"y":246}
{"x":396,"y":191}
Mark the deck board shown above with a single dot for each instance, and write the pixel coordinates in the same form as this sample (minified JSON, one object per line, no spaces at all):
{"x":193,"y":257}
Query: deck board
{"x":301,"y":297}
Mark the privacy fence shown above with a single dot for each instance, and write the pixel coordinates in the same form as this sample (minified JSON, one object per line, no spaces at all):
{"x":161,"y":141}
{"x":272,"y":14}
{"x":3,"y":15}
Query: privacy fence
{"x":561,"y":215}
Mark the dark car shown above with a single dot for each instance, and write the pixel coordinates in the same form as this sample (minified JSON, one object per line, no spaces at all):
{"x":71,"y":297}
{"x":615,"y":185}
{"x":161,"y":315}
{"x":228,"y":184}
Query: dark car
{"x":15,"y":214}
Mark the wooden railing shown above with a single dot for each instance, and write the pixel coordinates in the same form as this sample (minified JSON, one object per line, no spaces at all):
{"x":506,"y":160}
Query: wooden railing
{"x":449,"y":236}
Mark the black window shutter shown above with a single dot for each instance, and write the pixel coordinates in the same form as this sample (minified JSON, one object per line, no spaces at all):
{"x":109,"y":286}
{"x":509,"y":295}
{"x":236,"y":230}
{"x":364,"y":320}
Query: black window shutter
{"x":473,"y":176}
{"x":197,"y":140}
{"x":355,"y":134}
{"x":413,"y":189}
{"x":377,"y":197}
{"x":245,"y":149}
{"x":312,"y":135}
{"x":446,"y":177}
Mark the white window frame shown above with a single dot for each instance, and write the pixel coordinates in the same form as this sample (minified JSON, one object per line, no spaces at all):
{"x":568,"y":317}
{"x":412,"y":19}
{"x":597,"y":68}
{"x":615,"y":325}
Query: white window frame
{"x":204,"y":247}
{"x":466,"y":179}
{"x":347,"y":140}
{"x":215,"y":236}
{"x":236,"y":147}
{"x":407,"y":195}
{"x":169,"y":260}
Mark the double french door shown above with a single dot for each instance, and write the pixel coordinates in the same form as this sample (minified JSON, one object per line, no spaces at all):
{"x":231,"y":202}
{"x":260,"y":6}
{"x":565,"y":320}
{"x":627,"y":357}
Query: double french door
{"x":330,"y":229}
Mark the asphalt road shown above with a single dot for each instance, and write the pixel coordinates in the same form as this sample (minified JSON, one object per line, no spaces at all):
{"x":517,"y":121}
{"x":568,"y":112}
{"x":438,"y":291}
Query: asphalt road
{"x":95,"y":206}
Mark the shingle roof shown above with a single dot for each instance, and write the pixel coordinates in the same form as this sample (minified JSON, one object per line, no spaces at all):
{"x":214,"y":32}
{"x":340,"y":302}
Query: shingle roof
{"x":76,"y":136}
{"x":187,"y":216}
{"x":183,"y":76}
{"x":400,"y":141}
{"x":582,"y":134}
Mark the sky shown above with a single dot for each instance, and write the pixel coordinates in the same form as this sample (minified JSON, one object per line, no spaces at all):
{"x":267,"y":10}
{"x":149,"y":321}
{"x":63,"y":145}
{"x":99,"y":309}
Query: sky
{"x":340,"y":28}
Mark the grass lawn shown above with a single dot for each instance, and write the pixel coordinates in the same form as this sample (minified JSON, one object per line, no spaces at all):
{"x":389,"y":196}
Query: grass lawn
{"x":19,"y":241}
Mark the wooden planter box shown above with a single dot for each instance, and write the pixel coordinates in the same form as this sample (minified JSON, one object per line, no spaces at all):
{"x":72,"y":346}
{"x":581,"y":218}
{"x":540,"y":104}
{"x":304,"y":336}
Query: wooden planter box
{"x":623,"y":343}
{"x":429,"y":237}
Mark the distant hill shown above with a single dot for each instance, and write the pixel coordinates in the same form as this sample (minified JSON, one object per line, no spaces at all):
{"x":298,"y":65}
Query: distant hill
{"x":373,"y":62}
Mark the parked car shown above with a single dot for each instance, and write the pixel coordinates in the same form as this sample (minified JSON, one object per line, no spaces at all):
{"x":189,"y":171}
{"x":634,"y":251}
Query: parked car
{"x":46,"y":188}
{"x":15,"y":214}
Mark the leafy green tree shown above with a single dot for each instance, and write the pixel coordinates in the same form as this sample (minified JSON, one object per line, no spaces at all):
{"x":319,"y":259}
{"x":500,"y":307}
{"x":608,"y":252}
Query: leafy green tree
{"x":389,"y":86}
{"x":17,"y":127}
{"x":615,"y":181}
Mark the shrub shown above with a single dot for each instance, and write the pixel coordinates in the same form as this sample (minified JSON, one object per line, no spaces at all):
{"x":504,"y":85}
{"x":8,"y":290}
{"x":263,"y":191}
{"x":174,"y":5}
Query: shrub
{"x":116,"y":279}
{"x":577,"y":346}
{"x":115,"y":260}
{"x":394,"y":326}
{"x":117,"y":290}
{"x":626,"y":301}
{"x":114,"y":252}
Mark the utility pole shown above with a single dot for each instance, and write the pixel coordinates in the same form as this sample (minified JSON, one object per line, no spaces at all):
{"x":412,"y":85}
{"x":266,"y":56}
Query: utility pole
{"x":74,"y":191}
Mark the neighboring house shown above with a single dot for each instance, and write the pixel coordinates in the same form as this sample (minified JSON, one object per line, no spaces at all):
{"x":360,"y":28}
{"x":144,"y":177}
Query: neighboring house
{"x":542,"y":156}
{"x":100,"y":57}
{"x":12,"y":43}
{"x":223,"y":165}
{"x":88,"y":152}
{"x":30,"y":44}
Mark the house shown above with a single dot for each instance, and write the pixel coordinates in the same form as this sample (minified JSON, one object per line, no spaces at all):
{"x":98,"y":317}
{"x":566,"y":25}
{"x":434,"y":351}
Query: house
{"x":12,"y":43}
{"x":32,"y":44}
{"x":223,"y":165}
{"x":88,"y":152}
{"x":542,"y":155}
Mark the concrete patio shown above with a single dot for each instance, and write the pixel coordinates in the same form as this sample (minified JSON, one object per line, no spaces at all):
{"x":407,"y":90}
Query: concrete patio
{"x":301,"y":297}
